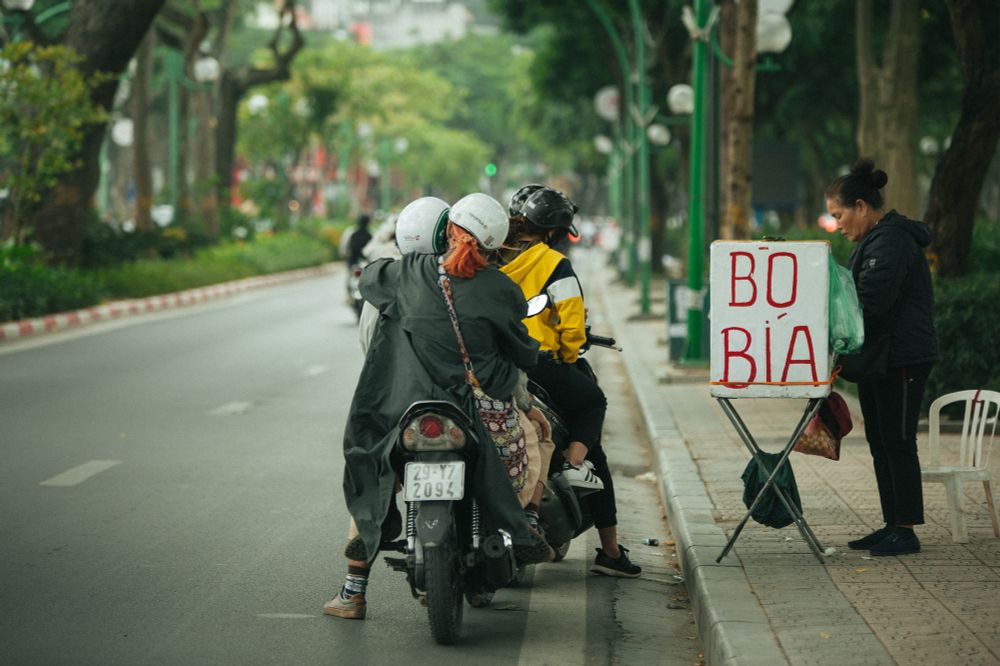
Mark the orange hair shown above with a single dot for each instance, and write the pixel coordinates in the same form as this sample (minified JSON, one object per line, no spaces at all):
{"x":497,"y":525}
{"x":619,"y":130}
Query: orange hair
{"x":464,"y":259}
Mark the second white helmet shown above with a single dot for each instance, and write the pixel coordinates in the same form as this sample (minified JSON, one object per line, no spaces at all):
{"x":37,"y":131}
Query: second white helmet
{"x":483,"y":217}
{"x":421,"y":226}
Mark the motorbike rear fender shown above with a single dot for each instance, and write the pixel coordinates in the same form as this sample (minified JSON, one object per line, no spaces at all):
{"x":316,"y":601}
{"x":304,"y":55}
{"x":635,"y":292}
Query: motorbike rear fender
{"x":434,"y":520}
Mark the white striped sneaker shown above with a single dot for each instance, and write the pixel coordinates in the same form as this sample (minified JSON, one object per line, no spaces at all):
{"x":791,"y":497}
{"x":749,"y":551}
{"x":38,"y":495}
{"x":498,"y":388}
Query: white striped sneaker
{"x":582,"y":477}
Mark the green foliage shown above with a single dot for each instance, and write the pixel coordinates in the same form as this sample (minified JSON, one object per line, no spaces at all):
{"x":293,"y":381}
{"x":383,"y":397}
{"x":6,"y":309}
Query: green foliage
{"x":105,"y":245}
{"x":229,"y":261}
{"x":968,"y":328}
{"x":45,"y":104}
{"x":336,"y":89}
{"x":28,"y":288}
{"x":325,"y":231}
{"x":840,"y":247}
{"x":984,"y":255}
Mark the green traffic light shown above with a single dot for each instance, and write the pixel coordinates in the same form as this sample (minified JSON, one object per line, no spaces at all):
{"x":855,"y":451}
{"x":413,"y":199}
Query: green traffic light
{"x":490,"y":169}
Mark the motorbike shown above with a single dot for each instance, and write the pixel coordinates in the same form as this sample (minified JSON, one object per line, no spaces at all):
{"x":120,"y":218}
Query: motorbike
{"x":450,"y":552}
{"x":563,"y":513}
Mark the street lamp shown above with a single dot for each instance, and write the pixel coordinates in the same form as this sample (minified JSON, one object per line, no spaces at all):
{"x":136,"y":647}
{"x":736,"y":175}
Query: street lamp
{"x":699,"y":25}
{"x":626,"y":140}
{"x":773,"y":35}
{"x":206,"y":72}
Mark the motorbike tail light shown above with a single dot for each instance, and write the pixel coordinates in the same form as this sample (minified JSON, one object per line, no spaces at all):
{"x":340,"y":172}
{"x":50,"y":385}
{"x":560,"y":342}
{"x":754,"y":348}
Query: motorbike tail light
{"x":431,"y":432}
{"x":431,"y":427}
{"x":356,"y":272}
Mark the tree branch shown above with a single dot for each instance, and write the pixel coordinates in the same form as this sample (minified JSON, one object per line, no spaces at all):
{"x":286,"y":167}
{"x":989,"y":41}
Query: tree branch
{"x":248,"y":77}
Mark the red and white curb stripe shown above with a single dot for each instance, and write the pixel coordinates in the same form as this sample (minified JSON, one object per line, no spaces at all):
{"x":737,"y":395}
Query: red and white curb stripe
{"x":119,"y":309}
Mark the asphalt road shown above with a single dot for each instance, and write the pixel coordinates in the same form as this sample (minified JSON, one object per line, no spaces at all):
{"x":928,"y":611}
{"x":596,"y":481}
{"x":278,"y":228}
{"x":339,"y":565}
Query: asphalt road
{"x":170,"y":494}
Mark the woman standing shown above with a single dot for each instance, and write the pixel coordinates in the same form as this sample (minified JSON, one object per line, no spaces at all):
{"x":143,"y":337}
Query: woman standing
{"x":894,"y":288}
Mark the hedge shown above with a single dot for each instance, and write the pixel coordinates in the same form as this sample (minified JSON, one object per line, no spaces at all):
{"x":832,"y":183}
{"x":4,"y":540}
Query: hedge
{"x":28,"y":288}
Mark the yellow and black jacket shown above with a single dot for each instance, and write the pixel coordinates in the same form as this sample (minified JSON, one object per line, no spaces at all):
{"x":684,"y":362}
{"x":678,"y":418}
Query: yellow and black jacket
{"x":560,"y":328}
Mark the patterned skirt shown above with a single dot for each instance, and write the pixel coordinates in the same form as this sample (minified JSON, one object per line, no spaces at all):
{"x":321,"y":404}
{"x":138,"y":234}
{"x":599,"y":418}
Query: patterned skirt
{"x":501,"y":420}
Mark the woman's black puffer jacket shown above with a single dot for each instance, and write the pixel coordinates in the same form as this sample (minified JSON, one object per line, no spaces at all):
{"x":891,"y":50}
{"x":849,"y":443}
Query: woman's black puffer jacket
{"x":894,"y":288}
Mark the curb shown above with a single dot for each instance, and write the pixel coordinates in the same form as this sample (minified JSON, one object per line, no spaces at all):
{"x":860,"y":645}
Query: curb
{"x":731,"y":623}
{"x":129,"y":307}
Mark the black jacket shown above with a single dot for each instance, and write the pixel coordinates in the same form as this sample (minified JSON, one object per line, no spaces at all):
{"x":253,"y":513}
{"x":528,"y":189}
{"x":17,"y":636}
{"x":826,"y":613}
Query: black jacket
{"x":894,"y":288}
{"x":414,"y":356}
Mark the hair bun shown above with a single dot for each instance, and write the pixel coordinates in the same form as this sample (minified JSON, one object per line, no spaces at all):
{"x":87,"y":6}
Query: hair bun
{"x":865,"y":169}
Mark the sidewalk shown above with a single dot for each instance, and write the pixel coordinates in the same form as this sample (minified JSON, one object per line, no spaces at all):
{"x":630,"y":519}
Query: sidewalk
{"x":770,"y":601}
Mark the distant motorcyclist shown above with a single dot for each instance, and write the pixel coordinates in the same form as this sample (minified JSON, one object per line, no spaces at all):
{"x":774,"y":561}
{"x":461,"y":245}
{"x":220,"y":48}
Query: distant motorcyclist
{"x":353,"y":244}
{"x":540,"y":218}
{"x":414,"y":354}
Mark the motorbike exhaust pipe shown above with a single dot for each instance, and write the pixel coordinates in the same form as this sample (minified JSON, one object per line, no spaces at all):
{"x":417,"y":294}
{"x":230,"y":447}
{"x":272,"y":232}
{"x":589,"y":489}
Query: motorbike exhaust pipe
{"x":498,"y":558}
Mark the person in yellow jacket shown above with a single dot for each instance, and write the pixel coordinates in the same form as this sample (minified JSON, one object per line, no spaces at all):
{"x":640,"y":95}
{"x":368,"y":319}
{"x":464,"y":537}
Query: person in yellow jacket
{"x":540,"y":218}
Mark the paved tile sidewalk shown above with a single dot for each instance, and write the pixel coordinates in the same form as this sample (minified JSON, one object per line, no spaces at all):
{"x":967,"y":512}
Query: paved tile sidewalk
{"x":770,"y":601}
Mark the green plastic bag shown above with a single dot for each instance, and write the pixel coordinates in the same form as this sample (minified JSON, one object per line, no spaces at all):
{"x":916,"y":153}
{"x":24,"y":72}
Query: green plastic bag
{"x":770,"y":511}
{"x":847,"y":325}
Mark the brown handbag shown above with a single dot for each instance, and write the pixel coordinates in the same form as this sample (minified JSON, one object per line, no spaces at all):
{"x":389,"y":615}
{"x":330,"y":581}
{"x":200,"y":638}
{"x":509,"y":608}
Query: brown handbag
{"x":826,"y":429}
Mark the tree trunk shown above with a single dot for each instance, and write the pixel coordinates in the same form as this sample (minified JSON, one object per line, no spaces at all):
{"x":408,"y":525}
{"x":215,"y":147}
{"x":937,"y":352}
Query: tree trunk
{"x":140,"y":120}
{"x":106,"y":33}
{"x":867,"y":137}
{"x":236,"y":82}
{"x":225,"y":133}
{"x":887,"y":117}
{"x":206,"y":190}
{"x":958,"y":180}
{"x":739,"y":173}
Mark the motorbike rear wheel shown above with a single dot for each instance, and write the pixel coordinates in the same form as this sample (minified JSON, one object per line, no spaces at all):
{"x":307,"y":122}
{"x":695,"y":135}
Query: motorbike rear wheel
{"x":444,"y":592}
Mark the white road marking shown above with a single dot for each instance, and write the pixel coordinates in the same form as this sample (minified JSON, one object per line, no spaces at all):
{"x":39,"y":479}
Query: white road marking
{"x":557,"y":631}
{"x":231,"y":409}
{"x":285,"y":616}
{"x":314,"y":370}
{"x":80,"y":473}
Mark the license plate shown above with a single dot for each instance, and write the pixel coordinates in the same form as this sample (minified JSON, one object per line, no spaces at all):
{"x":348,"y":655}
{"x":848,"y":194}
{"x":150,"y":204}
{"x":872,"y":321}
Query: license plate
{"x":434,"y":481}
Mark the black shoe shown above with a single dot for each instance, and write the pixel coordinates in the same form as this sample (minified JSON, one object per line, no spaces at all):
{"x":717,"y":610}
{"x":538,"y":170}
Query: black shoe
{"x":621,"y":567}
{"x":864,"y":543}
{"x":902,"y":541}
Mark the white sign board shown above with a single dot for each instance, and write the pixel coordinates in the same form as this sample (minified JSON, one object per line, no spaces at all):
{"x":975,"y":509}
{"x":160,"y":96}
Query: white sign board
{"x":769,"y":318}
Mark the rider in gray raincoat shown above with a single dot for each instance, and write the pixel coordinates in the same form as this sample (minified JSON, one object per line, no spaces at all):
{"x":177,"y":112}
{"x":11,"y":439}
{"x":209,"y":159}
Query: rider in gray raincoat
{"x":414,"y":356}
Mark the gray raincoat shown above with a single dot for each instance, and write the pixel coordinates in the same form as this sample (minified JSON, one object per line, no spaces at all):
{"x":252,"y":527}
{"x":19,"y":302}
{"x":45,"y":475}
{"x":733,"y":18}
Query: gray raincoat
{"x":414,"y":356}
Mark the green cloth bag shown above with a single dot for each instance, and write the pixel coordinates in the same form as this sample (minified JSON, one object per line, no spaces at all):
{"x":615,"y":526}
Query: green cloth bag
{"x":770,"y":511}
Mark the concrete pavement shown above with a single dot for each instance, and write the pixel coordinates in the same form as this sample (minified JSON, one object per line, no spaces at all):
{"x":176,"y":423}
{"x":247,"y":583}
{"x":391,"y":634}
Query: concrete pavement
{"x":770,"y":601}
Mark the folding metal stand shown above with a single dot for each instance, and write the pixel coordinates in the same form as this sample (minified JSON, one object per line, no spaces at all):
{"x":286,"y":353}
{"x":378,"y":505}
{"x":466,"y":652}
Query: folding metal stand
{"x":755,"y":450}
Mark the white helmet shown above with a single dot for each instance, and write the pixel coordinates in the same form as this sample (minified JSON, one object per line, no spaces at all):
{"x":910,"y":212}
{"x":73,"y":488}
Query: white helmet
{"x":421,"y":226}
{"x":483,"y":217}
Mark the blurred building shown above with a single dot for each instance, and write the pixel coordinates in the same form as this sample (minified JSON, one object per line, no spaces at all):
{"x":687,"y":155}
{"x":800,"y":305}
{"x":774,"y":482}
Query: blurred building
{"x":392,"y":24}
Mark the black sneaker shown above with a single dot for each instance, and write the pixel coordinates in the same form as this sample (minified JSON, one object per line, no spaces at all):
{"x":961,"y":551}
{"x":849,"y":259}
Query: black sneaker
{"x":902,"y":541}
{"x":864,"y":543}
{"x":621,"y":567}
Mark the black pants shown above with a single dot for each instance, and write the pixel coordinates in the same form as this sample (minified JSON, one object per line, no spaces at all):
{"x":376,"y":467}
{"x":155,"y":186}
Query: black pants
{"x":578,"y":399}
{"x":582,"y":405}
{"x":891,"y":406}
